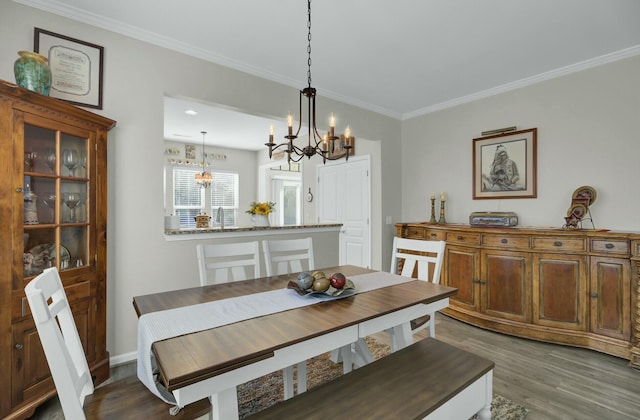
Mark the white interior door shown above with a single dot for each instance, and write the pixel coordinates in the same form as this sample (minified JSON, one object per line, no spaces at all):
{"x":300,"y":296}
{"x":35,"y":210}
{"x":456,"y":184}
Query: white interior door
{"x":344,"y":196}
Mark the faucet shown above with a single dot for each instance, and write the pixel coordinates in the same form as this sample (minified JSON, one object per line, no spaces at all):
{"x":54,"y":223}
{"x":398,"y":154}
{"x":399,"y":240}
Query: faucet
{"x":220,"y":217}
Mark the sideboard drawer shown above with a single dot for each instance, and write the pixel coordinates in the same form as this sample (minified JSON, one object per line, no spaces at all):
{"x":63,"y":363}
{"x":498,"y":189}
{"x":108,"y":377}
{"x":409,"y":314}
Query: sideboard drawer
{"x":506,"y":241}
{"x":415,"y":232}
{"x":463,"y":238}
{"x":435,"y":235}
{"x":558,"y":244}
{"x":610,"y":246}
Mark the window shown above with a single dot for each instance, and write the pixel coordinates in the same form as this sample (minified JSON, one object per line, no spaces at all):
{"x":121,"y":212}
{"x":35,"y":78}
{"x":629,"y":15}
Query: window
{"x":189,"y":199}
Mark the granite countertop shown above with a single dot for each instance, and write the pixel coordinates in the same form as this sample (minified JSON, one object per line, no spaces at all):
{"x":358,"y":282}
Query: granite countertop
{"x":185,"y":231}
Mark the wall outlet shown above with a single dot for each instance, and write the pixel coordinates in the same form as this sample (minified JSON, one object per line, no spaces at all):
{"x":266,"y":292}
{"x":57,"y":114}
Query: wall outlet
{"x":389,"y":220}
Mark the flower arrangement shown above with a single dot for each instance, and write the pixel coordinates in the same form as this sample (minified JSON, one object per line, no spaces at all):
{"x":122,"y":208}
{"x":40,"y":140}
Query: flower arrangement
{"x":261,"y":208}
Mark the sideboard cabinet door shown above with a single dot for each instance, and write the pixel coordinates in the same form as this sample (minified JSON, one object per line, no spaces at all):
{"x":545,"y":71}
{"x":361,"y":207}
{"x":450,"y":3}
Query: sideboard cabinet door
{"x":560,"y":291}
{"x":506,"y":285}
{"x":461,"y":269}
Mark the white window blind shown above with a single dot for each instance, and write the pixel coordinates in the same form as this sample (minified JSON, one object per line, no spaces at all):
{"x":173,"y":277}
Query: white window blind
{"x":189,"y":199}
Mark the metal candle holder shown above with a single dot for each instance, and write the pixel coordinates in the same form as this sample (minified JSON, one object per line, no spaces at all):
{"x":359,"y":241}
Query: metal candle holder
{"x":433,"y":210}
{"x":442,"y":220}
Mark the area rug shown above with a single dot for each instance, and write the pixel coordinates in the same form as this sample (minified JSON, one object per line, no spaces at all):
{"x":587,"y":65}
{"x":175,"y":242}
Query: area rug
{"x":263,"y":392}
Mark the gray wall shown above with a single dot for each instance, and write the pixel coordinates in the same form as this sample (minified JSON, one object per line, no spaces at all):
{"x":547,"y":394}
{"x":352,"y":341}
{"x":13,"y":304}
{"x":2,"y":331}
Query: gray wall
{"x":587,"y":135}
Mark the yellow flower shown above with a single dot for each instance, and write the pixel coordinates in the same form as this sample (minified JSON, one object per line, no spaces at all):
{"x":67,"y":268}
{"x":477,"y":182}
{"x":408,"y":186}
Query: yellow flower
{"x":261,"y":208}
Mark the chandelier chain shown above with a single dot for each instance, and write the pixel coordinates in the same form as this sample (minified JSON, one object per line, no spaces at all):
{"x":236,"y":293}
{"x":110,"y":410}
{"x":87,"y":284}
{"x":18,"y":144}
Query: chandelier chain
{"x":309,"y":43}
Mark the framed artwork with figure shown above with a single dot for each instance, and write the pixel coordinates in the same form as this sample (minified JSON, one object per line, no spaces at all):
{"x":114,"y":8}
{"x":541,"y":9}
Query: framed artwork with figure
{"x":504,"y":165}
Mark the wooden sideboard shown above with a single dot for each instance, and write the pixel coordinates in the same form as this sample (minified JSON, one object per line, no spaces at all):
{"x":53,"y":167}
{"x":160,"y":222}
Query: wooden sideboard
{"x":573,"y":287}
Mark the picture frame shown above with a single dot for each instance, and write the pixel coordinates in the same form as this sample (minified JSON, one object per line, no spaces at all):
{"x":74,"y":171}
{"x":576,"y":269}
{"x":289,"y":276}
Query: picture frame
{"x":76,"y":67}
{"x":190,"y":151}
{"x":504,"y":165}
{"x":338,"y":150}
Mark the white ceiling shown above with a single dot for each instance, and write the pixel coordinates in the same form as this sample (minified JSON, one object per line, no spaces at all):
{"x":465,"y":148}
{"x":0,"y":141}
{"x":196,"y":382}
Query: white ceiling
{"x":401,"y":58}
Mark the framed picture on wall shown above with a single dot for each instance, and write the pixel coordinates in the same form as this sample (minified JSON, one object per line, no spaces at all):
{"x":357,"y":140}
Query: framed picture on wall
{"x":190,"y":151}
{"x":76,"y":68}
{"x":504,"y":165}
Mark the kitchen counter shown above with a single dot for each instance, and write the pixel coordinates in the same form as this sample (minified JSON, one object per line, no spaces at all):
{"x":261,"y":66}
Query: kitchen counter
{"x":217,"y":232}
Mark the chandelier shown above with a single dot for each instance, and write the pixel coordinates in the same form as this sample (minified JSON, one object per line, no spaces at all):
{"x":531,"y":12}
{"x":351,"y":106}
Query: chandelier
{"x":316,"y":143}
{"x":204,"y":178}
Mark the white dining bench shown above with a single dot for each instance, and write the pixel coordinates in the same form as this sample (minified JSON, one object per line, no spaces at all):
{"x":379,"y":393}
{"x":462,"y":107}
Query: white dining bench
{"x":426,"y":380}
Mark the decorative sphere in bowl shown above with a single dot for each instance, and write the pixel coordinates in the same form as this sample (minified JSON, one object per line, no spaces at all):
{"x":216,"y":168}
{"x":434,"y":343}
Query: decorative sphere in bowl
{"x":318,"y":274}
{"x":305,"y":281}
{"x":338,"y":280}
{"x":321,"y":284}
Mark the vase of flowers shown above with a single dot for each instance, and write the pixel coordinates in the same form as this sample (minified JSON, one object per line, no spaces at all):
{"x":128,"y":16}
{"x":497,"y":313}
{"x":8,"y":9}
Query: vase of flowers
{"x":260,"y":213}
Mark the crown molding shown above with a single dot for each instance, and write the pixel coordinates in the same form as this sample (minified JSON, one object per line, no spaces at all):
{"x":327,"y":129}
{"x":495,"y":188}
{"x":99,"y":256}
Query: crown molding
{"x":111,"y":25}
{"x":563,"y":71}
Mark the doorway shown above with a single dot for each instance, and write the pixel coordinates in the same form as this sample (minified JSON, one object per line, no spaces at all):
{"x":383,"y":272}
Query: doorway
{"x":344,"y":196}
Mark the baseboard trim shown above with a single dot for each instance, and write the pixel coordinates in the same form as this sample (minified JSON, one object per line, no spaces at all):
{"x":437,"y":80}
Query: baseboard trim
{"x":122,"y":359}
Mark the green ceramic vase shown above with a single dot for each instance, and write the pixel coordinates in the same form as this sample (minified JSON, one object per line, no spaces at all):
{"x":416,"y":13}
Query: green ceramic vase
{"x":32,"y":72}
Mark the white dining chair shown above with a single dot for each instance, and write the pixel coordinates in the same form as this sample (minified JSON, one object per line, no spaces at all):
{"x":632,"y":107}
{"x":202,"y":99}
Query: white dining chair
{"x":127,"y":398}
{"x":284,"y":256}
{"x":222,"y":263}
{"x":409,"y":258}
{"x":422,"y":259}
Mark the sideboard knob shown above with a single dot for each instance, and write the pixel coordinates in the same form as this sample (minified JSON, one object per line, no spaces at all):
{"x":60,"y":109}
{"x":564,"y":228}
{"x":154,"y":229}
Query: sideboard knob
{"x":459,"y":238}
{"x":557,"y":243}
{"x":504,"y":241}
{"x":593,"y":295}
{"x":609,"y":246}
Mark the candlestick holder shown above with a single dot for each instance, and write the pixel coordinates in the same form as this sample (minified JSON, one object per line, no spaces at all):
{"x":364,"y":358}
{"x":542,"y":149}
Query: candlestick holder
{"x":433,"y":211}
{"x":442,"y":220}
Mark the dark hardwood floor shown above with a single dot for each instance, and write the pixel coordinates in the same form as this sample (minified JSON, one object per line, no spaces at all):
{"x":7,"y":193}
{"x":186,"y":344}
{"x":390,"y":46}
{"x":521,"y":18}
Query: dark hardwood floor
{"x":553,"y":382}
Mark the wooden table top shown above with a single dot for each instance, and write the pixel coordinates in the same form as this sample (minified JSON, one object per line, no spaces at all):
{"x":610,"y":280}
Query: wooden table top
{"x":193,"y":357}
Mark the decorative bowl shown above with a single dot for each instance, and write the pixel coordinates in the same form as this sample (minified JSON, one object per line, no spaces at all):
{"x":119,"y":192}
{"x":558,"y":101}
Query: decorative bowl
{"x":348,"y":290}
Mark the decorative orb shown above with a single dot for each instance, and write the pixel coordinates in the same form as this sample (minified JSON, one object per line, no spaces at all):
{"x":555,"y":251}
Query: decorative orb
{"x":305,"y":281}
{"x":321,"y":284}
{"x":338,"y":280}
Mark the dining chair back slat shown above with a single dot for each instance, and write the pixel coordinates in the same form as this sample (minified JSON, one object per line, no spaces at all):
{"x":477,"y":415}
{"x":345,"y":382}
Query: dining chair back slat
{"x":288,"y":256}
{"x":410,"y":260}
{"x":222,"y":263}
{"x":127,"y":398}
{"x":60,"y":341}
{"x":424,"y":259}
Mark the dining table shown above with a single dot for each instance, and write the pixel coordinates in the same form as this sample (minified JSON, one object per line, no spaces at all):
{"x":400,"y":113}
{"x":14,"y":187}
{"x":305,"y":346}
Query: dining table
{"x":234,"y":340}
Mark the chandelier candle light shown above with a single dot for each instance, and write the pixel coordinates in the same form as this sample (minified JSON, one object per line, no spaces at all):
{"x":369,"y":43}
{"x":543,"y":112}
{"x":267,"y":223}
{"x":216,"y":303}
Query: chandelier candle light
{"x":204,"y":178}
{"x":316,"y":143}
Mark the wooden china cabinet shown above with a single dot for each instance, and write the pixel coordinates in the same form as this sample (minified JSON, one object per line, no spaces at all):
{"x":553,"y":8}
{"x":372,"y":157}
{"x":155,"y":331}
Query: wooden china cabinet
{"x":575,"y":287}
{"x":53,"y":201}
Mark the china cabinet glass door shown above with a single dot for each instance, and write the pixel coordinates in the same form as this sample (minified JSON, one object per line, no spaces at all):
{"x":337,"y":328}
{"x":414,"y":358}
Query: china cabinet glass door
{"x":57,"y":197}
